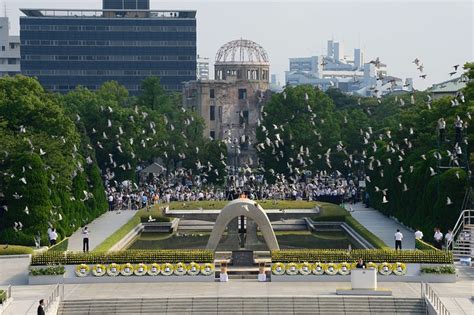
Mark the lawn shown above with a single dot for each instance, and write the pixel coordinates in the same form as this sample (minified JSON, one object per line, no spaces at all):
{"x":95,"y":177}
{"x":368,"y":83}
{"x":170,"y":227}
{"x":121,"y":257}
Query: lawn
{"x":266,"y":204}
{"x":15,"y":250}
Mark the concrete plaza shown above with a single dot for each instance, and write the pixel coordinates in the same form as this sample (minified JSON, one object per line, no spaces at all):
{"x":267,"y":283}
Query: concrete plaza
{"x":455,"y":296}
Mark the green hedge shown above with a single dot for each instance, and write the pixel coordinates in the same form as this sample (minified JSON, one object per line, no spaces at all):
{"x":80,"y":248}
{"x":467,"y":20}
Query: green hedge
{"x":48,"y":271}
{"x":60,"y":247}
{"x":145,"y":216}
{"x":369,"y":236}
{"x":15,"y":250}
{"x":368,"y":255}
{"x":422,"y":245}
{"x":125,"y":256}
{"x":3,"y":296}
{"x":449,"y":269}
{"x":331,"y":212}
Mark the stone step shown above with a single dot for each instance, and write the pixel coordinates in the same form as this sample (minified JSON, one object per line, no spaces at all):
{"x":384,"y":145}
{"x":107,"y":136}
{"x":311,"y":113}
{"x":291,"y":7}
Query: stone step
{"x":251,"y":305}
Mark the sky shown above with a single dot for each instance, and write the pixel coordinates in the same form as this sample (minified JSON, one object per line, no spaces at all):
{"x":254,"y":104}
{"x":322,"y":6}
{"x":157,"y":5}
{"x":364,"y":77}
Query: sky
{"x":439,"y":33}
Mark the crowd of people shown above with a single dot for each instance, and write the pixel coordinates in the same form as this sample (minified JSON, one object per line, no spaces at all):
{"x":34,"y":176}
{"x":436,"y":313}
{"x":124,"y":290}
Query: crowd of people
{"x":333,"y":188}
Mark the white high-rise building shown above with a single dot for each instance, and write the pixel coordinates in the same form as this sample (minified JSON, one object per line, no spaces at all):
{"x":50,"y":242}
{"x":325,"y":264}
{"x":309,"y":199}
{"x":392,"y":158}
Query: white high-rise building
{"x":202,"y":71}
{"x":9,"y":50}
{"x":338,"y":51}
{"x":350,"y":75}
{"x":358,"y":58}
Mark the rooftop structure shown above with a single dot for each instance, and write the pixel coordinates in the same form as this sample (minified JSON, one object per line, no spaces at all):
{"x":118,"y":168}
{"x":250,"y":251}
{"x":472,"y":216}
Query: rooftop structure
{"x":126,"y":4}
{"x":120,"y":13}
{"x":242,"y":51}
{"x":448,"y":88}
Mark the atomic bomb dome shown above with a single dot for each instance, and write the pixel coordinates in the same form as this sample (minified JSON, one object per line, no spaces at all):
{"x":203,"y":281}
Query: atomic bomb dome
{"x":242,"y":51}
{"x":231,"y":103}
{"x":242,"y":59}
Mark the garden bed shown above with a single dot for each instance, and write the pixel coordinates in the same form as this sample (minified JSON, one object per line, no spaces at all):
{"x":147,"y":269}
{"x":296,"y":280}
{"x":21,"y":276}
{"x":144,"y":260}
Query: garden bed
{"x":125,"y":256}
{"x":117,"y":273}
{"x":368,"y":255}
{"x":410,"y":272}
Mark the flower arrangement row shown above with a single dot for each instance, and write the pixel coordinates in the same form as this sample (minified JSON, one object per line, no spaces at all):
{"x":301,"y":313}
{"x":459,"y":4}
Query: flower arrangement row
{"x":344,"y":268}
{"x":374,"y":255}
{"x":141,"y":269}
{"x":122,"y":257}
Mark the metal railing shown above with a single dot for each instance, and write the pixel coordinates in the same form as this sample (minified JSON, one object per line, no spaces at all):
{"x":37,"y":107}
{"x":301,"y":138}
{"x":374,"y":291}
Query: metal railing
{"x":56,"y":294}
{"x":430,"y":296}
{"x":466,"y":217}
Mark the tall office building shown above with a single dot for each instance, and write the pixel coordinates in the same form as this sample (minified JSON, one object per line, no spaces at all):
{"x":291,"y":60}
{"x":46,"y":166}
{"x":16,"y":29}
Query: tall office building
{"x":125,"y":41}
{"x":9,"y":50}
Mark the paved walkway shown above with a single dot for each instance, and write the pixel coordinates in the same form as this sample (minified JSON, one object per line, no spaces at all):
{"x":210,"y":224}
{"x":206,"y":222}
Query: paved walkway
{"x":382,"y":226}
{"x":14,"y":270}
{"x":26,"y":298}
{"x":100,"y":229}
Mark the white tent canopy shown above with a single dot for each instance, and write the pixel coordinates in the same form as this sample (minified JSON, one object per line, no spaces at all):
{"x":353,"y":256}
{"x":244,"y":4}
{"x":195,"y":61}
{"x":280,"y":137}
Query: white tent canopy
{"x":154,"y":168}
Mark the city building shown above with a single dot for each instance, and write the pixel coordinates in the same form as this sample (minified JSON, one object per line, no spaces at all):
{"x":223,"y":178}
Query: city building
{"x":231,"y":103}
{"x":202,"y":68}
{"x":125,"y":41}
{"x":350,"y":74}
{"x":275,"y":85}
{"x":9,"y":50}
{"x":448,"y":88}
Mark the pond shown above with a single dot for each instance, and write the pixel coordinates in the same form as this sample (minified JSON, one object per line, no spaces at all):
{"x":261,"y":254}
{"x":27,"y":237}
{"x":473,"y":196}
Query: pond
{"x":286,"y":240}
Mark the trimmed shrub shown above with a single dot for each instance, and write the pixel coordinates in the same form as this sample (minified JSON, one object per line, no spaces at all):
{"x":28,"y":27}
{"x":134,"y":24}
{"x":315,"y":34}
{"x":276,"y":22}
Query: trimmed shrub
{"x":368,"y":255}
{"x":449,"y":269}
{"x":126,"y":256}
{"x":144,"y":217}
{"x":48,"y":271}
{"x":15,"y":250}
{"x":60,"y":247}
{"x":422,"y":245}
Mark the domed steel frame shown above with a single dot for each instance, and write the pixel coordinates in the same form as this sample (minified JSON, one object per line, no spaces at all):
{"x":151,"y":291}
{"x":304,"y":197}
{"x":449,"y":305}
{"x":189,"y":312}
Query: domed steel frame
{"x":242,"y":59}
{"x":242,"y":51}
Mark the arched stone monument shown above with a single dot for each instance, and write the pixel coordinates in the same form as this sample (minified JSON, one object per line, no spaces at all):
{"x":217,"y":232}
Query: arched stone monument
{"x":250,"y":209}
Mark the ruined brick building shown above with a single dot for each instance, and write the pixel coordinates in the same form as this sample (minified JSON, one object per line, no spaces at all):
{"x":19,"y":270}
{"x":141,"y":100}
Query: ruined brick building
{"x":231,"y":103}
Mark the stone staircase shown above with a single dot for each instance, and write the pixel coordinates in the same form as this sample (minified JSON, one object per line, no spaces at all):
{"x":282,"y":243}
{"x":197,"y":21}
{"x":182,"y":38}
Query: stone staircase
{"x":247,"y":305}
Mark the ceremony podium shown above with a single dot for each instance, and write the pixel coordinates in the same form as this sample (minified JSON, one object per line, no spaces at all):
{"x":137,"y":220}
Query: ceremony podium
{"x":364,"y":282}
{"x":365,"y":279}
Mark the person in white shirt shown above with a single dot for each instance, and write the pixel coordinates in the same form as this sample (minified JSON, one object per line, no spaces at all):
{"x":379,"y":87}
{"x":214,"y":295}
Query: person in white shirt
{"x":398,"y":240}
{"x":448,"y":237}
{"x":85,"y":240}
{"x":418,"y":234}
{"x":438,"y":237}
{"x":53,"y":237}
{"x":111,"y":202}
